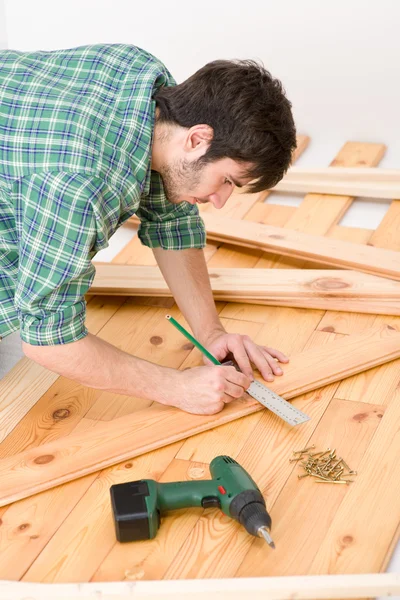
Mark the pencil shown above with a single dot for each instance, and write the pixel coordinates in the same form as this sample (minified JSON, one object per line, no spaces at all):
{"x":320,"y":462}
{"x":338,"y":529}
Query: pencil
{"x":193,"y":340}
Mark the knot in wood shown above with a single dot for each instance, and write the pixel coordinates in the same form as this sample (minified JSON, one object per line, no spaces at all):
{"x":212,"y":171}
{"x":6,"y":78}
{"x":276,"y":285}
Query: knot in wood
{"x":196,"y":473}
{"x":43,"y":460}
{"x":61,"y":413}
{"x":347,"y":540}
{"x":133,"y":574}
{"x":156,"y":340}
{"x":329,"y":283}
{"x":360,"y":417}
{"x":328,"y":329}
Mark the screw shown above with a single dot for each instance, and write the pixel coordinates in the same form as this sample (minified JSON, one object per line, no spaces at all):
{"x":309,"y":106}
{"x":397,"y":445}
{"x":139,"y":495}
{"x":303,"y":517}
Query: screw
{"x":333,"y":481}
{"x":305,"y":450}
{"x":320,"y":477}
{"x":346,"y":465}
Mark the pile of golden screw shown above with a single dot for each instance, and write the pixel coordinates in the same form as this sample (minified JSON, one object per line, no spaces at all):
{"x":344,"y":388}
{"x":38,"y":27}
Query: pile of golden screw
{"x":325,"y":466}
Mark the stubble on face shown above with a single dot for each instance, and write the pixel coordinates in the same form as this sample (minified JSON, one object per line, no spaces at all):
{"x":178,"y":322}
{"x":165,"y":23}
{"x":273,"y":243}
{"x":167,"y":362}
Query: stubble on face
{"x":180,"y":178}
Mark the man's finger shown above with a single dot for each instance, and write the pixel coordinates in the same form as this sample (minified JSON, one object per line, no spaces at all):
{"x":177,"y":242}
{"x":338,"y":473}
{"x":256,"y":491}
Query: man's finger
{"x":237,"y":348}
{"x":238,"y":378}
{"x":275,"y":368}
{"x":276,"y":354}
{"x":258,"y":357}
{"x":232,"y":392}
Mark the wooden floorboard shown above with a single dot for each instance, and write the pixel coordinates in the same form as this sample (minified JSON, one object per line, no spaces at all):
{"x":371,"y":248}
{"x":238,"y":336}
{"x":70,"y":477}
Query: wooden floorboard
{"x":66,"y":534}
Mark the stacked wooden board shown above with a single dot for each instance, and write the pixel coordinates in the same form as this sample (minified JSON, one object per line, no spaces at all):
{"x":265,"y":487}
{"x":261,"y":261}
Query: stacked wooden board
{"x":66,"y":534}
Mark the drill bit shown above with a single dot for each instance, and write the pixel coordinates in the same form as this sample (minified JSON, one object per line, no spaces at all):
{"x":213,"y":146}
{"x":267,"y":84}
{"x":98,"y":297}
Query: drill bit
{"x":263,"y":532}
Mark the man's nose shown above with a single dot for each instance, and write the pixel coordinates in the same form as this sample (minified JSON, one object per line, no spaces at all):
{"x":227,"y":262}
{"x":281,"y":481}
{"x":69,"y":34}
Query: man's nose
{"x":219,"y":199}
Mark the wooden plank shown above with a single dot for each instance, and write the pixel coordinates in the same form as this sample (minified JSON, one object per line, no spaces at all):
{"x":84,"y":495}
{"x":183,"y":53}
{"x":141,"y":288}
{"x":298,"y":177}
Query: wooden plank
{"x":345,"y":181}
{"x":51,"y":464}
{"x":324,"y":289}
{"x":317,"y":587}
{"x":301,"y":245}
{"x":376,"y":490}
{"x":387,"y":234}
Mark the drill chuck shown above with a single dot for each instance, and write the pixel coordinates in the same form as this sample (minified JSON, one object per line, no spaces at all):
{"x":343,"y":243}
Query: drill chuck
{"x":249,"y":509}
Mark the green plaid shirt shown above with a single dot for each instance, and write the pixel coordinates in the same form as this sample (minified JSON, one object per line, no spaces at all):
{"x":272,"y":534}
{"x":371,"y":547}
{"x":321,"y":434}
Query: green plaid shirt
{"x":76,"y":129}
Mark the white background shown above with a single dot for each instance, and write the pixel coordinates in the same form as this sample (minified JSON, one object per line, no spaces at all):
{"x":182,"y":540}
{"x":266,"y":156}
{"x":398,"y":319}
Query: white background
{"x":339,"y":63}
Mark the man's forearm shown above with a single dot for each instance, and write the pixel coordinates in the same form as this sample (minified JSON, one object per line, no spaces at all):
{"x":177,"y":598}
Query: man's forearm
{"x":97,"y":364}
{"x":185,"y":272}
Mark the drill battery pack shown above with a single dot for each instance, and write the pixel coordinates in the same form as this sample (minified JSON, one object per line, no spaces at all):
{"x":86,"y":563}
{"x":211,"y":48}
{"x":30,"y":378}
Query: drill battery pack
{"x":130,"y":511}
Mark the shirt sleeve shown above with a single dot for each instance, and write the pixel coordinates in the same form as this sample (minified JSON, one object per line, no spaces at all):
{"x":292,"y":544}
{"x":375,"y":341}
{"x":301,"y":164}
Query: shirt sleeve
{"x":57,"y":233}
{"x":171,"y":226}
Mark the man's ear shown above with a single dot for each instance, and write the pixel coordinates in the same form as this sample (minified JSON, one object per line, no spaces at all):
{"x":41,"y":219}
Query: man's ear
{"x":199,"y":138}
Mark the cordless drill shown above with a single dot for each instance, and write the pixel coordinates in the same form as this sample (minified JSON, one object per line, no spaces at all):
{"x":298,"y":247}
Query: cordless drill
{"x":138,"y":505}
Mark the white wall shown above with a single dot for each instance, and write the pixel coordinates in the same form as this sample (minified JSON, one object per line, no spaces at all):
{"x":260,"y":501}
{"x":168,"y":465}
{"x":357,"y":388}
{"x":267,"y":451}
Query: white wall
{"x":3,"y":33}
{"x":339,"y":61}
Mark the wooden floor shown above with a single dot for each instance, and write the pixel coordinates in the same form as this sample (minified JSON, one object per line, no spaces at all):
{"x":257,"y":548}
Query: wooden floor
{"x":66,"y":534}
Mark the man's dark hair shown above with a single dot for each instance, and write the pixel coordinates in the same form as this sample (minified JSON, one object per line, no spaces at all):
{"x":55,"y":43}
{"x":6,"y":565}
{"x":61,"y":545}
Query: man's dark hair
{"x":248,"y":111}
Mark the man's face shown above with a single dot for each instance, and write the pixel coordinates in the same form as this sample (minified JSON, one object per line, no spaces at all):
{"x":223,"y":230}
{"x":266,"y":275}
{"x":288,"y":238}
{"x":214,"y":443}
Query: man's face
{"x":197,"y":183}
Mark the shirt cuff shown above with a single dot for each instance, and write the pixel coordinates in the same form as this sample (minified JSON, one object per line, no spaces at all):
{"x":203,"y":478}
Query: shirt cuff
{"x":56,"y":328}
{"x":178,"y":234}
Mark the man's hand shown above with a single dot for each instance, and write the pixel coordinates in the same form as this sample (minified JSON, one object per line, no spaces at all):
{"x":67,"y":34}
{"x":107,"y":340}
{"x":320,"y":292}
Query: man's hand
{"x":206,"y":390}
{"x":222,"y":344}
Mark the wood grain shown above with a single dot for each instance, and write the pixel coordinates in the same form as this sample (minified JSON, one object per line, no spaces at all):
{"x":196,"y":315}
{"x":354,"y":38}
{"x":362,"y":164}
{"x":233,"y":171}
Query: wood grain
{"x":324,"y":289}
{"x":285,"y":241}
{"x":346,"y":181}
{"x":80,"y":454}
{"x":318,"y":587}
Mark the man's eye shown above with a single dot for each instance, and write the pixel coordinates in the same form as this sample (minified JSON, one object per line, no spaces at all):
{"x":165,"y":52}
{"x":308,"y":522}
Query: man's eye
{"x":228,"y":181}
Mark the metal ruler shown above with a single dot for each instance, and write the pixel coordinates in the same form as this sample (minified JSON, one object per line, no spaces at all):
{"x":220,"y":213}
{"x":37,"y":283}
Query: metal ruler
{"x":278,"y":405}
{"x":281,"y":407}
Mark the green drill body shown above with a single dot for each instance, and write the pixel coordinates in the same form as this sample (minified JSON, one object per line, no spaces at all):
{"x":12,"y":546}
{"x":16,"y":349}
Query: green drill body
{"x":138,"y":506}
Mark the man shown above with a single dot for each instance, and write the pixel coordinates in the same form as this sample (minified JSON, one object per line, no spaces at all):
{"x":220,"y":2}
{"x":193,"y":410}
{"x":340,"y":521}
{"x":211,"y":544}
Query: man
{"x":92,"y":135}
